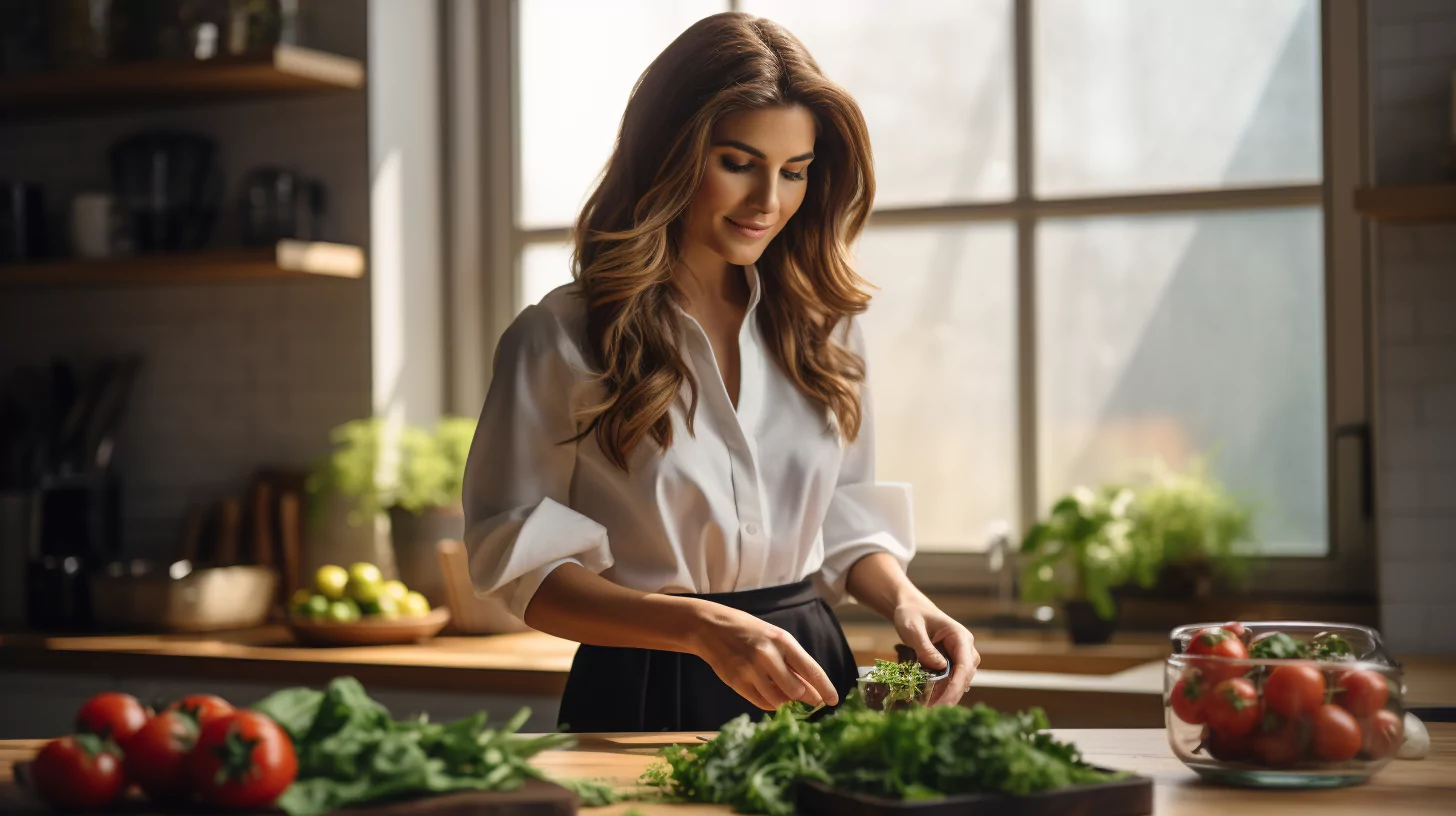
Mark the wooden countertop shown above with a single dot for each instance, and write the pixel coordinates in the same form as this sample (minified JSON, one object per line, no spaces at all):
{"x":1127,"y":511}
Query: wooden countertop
{"x":1425,"y":786}
{"x":1018,"y":668}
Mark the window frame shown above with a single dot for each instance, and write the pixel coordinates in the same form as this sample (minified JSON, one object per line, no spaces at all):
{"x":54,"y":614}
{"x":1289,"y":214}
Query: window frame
{"x":481,"y":59}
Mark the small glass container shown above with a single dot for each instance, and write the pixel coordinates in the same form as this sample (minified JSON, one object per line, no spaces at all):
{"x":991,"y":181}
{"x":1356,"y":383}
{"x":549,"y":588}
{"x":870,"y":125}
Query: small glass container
{"x":1324,"y":722}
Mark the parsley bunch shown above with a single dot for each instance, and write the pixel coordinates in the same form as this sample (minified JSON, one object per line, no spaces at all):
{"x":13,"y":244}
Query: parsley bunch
{"x":904,"y":680}
{"x":913,"y":753}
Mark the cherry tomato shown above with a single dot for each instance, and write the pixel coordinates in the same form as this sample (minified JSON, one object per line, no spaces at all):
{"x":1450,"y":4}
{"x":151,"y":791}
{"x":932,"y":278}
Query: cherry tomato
{"x":1361,"y":692}
{"x":1294,"y":691}
{"x":1238,"y":630}
{"x":112,"y":714}
{"x":1186,"y":698}
{"x":1382,"y":733}
{"x":1227,"y":749}
{"x":1233,"y":708}
{"x":1336,"y":734}
{"x":1280,"y":746}
{"x":242,"y":760}
{"x":157,"y":756}
{"x":78,"y":772}
{"x":202,"y":707}
{"x":1215,"y":642}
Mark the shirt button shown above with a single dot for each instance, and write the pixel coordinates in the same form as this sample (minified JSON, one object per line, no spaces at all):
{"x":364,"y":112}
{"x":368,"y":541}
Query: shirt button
{"x":750,"y":529}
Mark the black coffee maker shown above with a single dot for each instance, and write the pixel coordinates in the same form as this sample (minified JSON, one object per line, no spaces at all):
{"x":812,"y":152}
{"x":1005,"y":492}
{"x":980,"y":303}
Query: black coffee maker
{"x":169,"y":185}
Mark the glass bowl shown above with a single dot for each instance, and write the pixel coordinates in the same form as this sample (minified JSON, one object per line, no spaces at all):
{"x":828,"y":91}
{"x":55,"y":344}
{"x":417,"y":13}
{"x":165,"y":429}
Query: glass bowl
{"x":1283,"y":722}
{"x":877,"y":695}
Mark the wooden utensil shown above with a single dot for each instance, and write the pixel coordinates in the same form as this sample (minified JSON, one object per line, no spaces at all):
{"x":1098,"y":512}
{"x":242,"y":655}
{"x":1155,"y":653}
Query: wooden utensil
{"x":230,"y":517}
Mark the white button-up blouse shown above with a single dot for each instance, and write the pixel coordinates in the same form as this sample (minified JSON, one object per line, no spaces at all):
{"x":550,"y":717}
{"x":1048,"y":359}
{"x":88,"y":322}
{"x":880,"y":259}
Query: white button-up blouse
{"x":762,"y":495}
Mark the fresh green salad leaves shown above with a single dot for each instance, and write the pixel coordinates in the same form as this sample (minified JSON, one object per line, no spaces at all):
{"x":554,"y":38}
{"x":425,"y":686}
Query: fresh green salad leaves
{"x":912,"y":753}
{"x":903,"y":679}
{"x":351,"y":752}
{"x":1281,"y":646}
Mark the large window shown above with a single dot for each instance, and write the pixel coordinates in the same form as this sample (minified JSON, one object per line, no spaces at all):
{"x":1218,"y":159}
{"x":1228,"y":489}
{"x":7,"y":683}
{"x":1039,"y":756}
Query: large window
{"x":1099,"y":238}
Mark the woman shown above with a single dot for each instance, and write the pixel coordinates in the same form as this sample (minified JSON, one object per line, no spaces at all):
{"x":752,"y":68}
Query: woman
{"x":674,"y":465}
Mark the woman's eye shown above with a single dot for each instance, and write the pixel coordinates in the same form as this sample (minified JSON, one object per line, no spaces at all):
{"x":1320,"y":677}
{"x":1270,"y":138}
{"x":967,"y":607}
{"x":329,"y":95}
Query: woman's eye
{"x":793,"y":176}
{"x":736,"y":168}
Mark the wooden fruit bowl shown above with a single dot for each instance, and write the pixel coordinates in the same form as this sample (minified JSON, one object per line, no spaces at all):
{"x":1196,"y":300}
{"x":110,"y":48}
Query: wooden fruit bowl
{"x":369,"y":631}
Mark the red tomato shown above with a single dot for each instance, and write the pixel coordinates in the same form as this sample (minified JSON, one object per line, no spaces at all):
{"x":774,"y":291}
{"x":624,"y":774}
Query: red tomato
{"x":1382,"y":733}
{"x":156,"y":756}
{"x":242,"y":760}
{"x":1186,"y":698}
{"x":1294,"y":691}
{"x":1279,"y":747}
{"x":1238,"y":630}
{"x":78,"y":772}
{"x":202,"y":707}
{"x":1361,"y":692}
{"x":1227,"y":749}
{"x":1336,"y":734}
{"x":1233,"y":708}
{"x":1215,"y":642}
{"x":111,"y":714}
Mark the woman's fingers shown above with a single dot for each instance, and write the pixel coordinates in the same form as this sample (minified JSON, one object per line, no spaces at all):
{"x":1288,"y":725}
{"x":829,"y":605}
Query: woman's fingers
{"x":918,"y":639}
{"x":964,"y":659}
{"x":808,"y":670}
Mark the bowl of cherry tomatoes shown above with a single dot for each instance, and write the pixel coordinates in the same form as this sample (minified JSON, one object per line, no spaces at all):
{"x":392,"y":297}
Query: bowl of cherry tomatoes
{"x":1283,"y":704}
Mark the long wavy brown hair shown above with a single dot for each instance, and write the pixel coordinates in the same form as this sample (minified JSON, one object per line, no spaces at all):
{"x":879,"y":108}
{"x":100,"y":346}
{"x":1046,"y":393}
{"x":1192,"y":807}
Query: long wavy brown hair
{"x":628,"y":234}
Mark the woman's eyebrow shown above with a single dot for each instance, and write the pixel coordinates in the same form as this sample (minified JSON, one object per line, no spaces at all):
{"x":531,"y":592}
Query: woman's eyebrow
{"x":753,"y":151}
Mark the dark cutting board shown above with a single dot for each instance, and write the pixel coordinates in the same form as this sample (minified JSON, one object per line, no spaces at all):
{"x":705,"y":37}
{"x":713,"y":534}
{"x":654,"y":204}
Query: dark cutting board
{"x":1127,"y":797}
{"x":535,"y":798}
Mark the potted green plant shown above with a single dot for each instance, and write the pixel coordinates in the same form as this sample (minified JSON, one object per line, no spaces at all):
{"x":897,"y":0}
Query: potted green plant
{"x":1078,"y":554}
{"x":418,"y":487}
{"x":1190,"y":531}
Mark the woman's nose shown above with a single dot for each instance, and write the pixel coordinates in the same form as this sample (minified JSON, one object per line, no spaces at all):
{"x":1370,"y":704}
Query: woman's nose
{"x":765,"y":196}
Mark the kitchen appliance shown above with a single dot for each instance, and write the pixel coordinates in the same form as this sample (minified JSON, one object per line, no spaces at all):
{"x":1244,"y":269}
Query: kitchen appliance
{"x":22,"y":222}
{"x":169,"y":187}
{"x":277,"y":203}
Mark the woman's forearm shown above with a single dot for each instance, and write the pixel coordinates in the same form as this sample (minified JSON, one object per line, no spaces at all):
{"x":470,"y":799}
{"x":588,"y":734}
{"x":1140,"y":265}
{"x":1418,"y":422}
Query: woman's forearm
{"x":877,"y":581}
{"x":576,"y":604}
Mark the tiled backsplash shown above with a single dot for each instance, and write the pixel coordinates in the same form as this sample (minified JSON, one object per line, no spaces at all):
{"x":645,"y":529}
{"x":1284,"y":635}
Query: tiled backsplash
{"x":237,"y":375}
{"x":1413,"y":56}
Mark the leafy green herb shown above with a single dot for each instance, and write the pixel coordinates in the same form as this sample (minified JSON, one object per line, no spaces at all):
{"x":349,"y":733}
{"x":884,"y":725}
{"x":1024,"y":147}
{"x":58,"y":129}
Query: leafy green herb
{"x":905,"y":680}
{"x":594,"y":792}
{"x":1328,"y":646}
{"x":351,"y":752}
{"x":1275,"y":645}
{"x":913,"y":753}
{"x":1281,"y":646}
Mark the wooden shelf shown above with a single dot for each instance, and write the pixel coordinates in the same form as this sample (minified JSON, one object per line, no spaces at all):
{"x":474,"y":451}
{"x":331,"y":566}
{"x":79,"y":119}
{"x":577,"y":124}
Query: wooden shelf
{"x":1408,"y":205}
{"x":289,"y":259}
{"x":290,"y":70}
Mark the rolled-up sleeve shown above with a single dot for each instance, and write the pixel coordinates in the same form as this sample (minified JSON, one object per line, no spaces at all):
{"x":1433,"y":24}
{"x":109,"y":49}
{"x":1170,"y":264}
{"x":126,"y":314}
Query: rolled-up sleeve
{"x":864,"y":516}
{"x":519,"y":525}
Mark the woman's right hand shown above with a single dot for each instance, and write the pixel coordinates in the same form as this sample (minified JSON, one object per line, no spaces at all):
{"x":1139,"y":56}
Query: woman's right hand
{"x":758,"y":660}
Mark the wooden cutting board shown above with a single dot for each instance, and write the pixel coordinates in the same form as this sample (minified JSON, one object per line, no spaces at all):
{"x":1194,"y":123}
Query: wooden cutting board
{"x":535,"y":798}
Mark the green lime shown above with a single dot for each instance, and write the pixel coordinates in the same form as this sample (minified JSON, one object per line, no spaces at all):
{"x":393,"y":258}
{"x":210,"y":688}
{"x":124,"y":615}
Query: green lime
{"x":316,"y":607}
{"x":387,"y":607}
{"x":345,"y":611}
{"x":330,"y":581}
{"x":365,"y":582}
{"x":300,"y":597}
{"x":414,"y":605}
{"x":396,"y":589}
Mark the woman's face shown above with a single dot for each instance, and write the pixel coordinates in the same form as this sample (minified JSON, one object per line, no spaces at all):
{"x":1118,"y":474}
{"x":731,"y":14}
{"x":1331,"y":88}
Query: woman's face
{"x":758,"y":168}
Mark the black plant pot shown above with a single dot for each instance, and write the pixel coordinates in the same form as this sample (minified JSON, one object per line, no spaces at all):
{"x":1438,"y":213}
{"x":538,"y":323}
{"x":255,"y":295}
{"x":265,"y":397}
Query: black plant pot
{"x":1084,"y":625}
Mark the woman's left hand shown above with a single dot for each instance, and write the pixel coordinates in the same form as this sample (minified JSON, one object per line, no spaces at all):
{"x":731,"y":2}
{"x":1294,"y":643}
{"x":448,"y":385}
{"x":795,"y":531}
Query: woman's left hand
{"x":922,"y":626}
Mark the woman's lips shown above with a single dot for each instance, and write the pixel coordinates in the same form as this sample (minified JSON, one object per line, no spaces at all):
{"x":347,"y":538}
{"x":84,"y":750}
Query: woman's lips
{"x":748,"y":232}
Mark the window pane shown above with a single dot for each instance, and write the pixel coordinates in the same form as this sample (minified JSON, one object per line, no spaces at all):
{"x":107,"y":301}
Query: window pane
{"x":934,"y":80}
{"x":941,"y":336}
{"x":543,"y":268}
{"x":578,"y":62}
{"x":1173,"y":337}
{"x":1136,"y":95}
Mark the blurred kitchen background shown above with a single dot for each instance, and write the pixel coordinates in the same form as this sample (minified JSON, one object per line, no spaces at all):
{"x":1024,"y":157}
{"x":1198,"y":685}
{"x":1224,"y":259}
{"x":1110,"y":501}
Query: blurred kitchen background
{"x":1183,"y":271}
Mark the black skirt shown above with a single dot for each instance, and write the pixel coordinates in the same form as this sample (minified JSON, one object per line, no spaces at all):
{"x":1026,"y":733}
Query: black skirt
{"x":616,"y":689}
